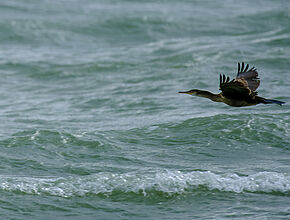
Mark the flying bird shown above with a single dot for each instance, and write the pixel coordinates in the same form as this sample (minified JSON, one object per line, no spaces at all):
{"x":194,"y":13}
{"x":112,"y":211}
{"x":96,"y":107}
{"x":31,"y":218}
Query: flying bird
{"x":238,"y":92}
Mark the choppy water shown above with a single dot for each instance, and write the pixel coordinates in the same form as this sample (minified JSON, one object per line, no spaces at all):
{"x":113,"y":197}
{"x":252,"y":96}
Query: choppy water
{"x":92,"y":126}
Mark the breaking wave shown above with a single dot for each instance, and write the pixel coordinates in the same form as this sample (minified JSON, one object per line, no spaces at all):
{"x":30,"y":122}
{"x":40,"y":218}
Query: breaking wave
{"x":147,"y":183}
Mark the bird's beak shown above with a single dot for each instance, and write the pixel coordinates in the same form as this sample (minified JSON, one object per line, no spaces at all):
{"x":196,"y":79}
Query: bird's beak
{"x":186,"y":92}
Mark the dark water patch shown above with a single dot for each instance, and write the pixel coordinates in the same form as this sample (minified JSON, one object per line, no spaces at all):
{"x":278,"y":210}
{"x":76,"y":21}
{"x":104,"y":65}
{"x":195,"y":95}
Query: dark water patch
{"x":270,"y":129}
{"x":220,"y":139}
{"x":53,"y":151}
{"x":42,"y":137}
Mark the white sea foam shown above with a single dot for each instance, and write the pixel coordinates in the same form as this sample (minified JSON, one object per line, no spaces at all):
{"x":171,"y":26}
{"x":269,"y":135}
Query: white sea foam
{"x":171,"y":182}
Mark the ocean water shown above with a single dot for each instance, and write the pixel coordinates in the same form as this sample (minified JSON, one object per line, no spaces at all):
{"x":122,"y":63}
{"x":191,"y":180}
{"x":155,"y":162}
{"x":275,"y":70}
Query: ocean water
{"x":92,"y":125}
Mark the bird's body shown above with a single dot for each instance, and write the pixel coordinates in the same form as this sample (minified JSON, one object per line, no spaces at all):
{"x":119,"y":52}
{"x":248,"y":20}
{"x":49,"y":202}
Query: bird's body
{"x":239,"y":92}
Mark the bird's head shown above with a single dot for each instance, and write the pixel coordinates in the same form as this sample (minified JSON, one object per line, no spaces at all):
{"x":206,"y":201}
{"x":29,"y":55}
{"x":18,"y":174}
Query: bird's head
{"x":190,"y":92}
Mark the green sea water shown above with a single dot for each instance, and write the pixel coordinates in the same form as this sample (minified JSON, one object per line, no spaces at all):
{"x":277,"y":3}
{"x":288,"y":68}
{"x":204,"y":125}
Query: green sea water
{"x":92,"y":125}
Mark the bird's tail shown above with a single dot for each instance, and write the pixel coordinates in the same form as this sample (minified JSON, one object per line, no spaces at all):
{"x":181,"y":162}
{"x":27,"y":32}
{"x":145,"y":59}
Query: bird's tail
{"x":270,"y":101}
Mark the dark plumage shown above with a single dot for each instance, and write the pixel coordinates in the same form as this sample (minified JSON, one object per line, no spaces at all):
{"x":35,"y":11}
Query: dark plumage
{"x":238,"y":92}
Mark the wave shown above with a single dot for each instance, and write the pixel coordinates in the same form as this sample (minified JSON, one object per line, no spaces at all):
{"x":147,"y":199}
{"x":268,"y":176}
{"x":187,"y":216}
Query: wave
{"x":148,"y":183}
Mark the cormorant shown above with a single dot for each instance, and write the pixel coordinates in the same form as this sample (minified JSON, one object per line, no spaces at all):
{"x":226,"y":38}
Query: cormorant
{"x":238,"y":92}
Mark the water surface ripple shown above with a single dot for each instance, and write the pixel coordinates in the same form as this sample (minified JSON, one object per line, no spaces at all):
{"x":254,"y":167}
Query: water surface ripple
{"x":92,"y":125}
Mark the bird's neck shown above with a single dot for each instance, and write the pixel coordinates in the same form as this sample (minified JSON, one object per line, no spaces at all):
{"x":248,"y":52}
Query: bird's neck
{"x":209,"y":95}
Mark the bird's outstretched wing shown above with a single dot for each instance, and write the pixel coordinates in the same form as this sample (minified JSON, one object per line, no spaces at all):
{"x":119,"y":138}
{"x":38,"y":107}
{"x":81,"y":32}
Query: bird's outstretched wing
{"x":251,"y":76}
{"x":236,"y":89}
